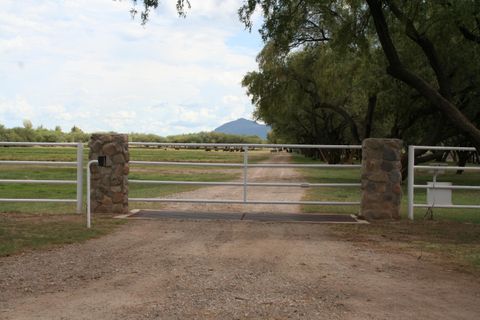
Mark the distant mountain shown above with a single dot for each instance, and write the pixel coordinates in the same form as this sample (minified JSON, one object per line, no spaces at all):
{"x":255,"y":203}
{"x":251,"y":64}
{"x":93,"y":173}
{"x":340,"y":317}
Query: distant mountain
{"x":244,"y":127}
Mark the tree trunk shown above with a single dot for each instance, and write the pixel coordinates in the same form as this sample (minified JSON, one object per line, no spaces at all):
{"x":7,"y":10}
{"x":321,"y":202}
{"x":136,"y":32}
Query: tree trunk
{"x":462,"y":159}
{"x":372,"y":102}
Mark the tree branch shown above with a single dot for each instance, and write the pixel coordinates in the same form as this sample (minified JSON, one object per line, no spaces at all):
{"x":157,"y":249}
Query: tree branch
{"x":397,"y":70}
{"x":427,"y":47}
{"x":467,"y":34}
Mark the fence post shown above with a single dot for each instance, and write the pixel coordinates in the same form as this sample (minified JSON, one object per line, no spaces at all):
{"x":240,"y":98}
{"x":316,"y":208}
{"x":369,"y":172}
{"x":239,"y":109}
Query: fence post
{"x":245,"y":172}
{"x":381,"y":179}
{"x":411,"y":180}
{"x":109,"y":193}
{"x":79,"y":177}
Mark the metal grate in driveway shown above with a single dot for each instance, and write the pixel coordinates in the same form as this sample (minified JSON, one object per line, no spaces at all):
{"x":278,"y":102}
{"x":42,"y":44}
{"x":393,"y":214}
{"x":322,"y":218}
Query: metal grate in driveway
{"x":273,"y":217}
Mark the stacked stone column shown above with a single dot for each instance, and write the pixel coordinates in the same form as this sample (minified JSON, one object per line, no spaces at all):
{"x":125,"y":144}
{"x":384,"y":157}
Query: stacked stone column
{"x":381,"y":179}
{"x":109,"y":184}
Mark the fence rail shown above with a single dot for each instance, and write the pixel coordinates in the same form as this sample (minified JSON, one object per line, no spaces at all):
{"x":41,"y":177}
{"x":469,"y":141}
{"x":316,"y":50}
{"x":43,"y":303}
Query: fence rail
{"x":76,"y":164}
{"x":411,"y":179}
{"x":249,"y":184}
{"x":241,"y":165}
{"x":246,"y":145}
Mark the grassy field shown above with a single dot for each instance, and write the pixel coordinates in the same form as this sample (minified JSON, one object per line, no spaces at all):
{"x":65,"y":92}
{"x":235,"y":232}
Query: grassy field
{"x":140,"y":154}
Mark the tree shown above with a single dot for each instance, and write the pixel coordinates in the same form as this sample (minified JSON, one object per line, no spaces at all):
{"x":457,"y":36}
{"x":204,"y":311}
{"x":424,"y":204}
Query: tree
{"x":436,"y":34}
{"x":27,"y":124}
{"x":148,"y":5}
{"x":286,"y":90}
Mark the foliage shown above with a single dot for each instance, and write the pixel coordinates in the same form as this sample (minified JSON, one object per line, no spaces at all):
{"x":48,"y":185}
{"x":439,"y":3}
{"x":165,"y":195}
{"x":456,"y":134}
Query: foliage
{"x":148,"y":5}
{"x":389,"y":68}
{"x":41,"y":134}
{"x":213,"y":137}
{"x":306,"y":97}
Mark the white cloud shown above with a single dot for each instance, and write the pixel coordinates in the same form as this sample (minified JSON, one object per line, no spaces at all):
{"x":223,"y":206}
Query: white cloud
{"x":86,"y":63}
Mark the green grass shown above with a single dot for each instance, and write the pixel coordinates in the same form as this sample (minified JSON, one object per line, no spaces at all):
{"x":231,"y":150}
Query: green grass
{"x":199,"y":155}
{"x":40,"y":153}
{"x":20,"y":232}
{"x":320,"y":175}
{"x":139,"y":154}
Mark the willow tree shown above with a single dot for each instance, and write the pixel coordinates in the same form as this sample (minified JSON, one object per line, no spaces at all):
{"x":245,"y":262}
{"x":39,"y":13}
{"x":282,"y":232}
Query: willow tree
{"x":431,"y":47}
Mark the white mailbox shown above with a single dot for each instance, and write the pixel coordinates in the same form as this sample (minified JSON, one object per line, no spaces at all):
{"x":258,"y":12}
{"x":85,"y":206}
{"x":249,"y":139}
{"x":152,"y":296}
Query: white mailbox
{"x":439,"y":196}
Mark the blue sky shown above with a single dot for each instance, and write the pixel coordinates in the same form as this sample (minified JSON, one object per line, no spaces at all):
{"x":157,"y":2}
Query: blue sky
{"x":87,"y":63}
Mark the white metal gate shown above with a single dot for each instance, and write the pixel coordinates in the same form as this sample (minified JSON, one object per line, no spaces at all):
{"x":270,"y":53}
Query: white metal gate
{"x":245,"y":166}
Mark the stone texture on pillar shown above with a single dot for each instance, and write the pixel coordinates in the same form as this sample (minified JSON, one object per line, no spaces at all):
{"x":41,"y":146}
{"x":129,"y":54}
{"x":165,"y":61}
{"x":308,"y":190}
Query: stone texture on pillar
{"x":381,"y":179}
{"x":109,"y":192}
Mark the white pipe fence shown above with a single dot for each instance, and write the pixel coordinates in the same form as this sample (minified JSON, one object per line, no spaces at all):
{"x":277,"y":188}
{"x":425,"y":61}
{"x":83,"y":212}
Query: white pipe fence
{"x":245,"y":166}
{"x":411,"y":179}
{"x":76,"y":164}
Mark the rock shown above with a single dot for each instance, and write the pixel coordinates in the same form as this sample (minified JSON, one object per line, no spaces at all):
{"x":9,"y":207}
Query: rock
{"x":391,"y":154}
{"x":106,"y":201}
{"x":387,"y":166}
{"x":378,"y":176}
{"x":116,"y":188}
{"x":118,"y":159}
{"x":117,"y":197}
{"x":109,"y":149}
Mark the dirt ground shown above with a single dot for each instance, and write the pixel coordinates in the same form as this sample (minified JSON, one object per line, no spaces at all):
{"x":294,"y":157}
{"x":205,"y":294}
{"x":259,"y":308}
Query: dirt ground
{"x":170,"y":269}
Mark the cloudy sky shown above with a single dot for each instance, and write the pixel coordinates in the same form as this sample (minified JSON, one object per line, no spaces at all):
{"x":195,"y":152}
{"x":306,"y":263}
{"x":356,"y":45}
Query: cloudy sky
{"x":87,"y":63}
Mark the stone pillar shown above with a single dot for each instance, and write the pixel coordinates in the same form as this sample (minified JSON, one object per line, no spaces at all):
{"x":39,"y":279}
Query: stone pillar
{"x":381,"y":179}
{"x":109,"y":193}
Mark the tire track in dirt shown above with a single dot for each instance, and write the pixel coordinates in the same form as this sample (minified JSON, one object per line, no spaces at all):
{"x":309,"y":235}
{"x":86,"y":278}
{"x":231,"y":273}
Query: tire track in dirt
{"x":254,"y":193}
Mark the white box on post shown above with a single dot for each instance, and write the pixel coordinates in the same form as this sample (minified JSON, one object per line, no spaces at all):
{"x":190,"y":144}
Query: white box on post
{"x":437,"y":196}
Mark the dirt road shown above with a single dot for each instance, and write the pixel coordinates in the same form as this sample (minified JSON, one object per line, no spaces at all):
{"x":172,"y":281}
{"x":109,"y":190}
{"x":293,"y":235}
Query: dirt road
{"x":230,"y":270}
{"x":254,"y":193}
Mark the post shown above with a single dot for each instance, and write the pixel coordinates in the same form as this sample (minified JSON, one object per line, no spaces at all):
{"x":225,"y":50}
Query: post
{"x":79,"y":177}
{"x":411,"y":180}
{"x":381,"y":179}
{"x":89,"y":182}
{"x":109,"y":193}
{"x":245,"y":172}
